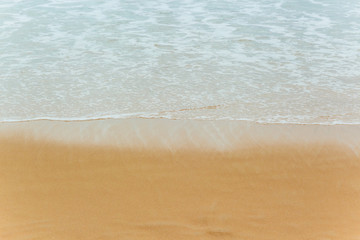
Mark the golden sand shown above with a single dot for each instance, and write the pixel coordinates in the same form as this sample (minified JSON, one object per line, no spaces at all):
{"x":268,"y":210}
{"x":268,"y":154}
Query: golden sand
{"x":284,"y":187}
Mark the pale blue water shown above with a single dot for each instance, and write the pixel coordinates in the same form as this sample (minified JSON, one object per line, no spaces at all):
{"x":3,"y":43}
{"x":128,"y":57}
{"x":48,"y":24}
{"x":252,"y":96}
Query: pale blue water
{"x":266,"y":60}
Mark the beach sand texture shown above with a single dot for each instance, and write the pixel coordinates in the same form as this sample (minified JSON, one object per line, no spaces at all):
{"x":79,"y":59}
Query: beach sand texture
{"x":163,"y":179}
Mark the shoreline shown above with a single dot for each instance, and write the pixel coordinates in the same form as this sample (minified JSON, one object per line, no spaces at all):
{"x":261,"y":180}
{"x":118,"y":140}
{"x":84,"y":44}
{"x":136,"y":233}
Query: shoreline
{"x":220,"y":135}
{"x":161,"y":179}
{"x":112,"y":118}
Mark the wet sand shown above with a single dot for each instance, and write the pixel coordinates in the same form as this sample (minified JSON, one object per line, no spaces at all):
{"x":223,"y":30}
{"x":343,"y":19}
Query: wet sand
{"x":162,"y":179}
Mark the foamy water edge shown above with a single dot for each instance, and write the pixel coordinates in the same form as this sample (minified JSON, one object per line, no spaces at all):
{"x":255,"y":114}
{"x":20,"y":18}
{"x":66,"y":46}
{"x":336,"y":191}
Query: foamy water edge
{"x":127,"y":117}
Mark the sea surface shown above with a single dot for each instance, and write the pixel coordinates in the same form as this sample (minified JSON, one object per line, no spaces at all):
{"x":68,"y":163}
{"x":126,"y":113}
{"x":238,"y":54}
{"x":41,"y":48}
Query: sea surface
{"x":270,"y":61}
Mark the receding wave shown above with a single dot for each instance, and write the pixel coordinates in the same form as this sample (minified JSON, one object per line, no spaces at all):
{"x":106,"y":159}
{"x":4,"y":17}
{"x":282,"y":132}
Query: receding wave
{"x":262,"y":61}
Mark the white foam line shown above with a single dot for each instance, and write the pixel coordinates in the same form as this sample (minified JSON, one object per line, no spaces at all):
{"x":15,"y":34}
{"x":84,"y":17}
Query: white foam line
{"x":135,"y":116}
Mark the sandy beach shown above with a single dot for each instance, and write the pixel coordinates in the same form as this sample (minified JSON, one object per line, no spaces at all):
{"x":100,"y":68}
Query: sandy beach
{"x":164,"y":179}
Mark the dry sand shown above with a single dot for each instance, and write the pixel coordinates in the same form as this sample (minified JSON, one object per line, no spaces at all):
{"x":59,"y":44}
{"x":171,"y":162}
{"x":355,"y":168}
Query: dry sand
{"x":162,"y":179}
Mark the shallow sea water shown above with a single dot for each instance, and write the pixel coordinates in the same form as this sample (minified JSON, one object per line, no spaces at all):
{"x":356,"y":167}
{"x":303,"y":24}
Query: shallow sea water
{"x":265,"y":61}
